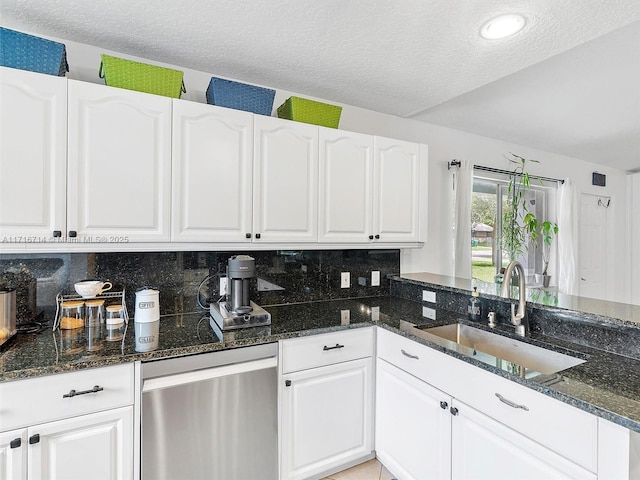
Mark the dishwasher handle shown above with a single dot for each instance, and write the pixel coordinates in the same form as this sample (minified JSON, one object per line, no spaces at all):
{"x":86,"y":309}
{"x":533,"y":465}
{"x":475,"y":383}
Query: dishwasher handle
{"x":178,"y":379}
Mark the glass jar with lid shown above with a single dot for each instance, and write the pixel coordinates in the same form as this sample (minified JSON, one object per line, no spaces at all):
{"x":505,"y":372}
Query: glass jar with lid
{"x":115,"y":323}
{"x":94,"y":312}
{"x":72,"y":314}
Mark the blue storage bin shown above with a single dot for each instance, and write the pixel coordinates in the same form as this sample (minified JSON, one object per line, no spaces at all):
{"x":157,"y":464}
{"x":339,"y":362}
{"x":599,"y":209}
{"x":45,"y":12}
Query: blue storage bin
{"x":240,"y":96}
{"x":26,"y":52}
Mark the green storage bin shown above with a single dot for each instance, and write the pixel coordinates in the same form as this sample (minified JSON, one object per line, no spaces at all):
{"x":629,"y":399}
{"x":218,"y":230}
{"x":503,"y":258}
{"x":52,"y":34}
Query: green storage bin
{"x":142,"y":77}
{"x":309,"y":111}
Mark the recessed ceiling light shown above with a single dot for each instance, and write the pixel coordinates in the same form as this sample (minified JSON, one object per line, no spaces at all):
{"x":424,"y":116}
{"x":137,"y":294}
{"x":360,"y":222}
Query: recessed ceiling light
{"x":502,"y":26}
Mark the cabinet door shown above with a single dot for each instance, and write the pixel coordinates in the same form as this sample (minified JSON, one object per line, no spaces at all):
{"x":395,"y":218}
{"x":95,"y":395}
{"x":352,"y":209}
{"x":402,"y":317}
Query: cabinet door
{"x":97,"y":446}
{"x":13,"y":455}
{"x":285,"y":202}
{"x":326,"y":418}
{"x":212,"y":168}
{"x":484,"y":448}
{"x":345,"y":210}
{"x":33,"y":154}
{"x":413,"y":425}
{"x":119,"y":164}
{"x":396,"y":210}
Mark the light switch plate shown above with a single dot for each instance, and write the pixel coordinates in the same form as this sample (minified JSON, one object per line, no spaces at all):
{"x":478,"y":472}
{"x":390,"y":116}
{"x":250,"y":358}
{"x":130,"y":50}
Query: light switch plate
{"x":428,"y":296}
{"x":345,"y":317}
{"x":345,"y":280}
{"x":375,"y":314}
{"x":429,"y":313}
{"x":375,"y":278}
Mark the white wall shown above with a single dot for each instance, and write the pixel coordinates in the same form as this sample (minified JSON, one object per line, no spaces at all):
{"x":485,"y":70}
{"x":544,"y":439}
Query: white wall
{"x":444,"y":144}
{"x":634,"y":236}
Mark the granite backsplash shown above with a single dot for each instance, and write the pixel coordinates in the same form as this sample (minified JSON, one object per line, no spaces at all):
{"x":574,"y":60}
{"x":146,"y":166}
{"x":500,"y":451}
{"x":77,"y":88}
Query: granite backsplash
{"x":282,"y":276}
{"x":575,"y":327}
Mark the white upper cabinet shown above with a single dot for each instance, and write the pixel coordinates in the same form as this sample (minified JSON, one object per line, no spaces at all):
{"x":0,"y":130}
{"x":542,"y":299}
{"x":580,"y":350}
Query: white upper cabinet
{"x":212,"y":173}
{"x":345,"y":210}
{"x":369,"y":189}
{"x":285,"y":185}
{"x":119,"y":161}
{"x":396,"y":207}
{"x":33,"y":149}
{"x":107,"y":165}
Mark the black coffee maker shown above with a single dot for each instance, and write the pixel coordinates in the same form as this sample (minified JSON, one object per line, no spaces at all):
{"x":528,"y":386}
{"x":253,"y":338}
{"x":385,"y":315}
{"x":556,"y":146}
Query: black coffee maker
{"x":240,"y":270}
{"x":237,"y":310}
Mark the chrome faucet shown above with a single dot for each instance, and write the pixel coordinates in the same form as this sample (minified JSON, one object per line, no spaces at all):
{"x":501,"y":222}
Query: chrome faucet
{"x":517,"y":318}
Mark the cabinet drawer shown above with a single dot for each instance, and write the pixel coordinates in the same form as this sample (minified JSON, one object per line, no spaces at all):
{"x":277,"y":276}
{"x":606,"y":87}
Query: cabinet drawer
{"x":38,"y":400}
{"x":326,"y":349}
{"x":406,"y":354}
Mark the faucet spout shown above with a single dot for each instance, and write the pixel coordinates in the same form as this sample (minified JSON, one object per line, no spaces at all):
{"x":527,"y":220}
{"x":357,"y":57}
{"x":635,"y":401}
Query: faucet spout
{"x":517,"y":318}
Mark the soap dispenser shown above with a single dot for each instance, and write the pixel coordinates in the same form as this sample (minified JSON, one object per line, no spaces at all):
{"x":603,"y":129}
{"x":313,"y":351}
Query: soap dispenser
{"x":474,"y":309}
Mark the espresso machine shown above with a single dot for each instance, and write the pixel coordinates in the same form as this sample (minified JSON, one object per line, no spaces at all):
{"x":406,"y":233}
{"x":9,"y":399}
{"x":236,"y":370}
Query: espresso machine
{"x":235,"y":310}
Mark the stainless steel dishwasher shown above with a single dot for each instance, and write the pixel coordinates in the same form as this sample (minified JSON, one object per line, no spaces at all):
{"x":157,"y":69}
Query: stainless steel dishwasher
{"x":211,"y":416}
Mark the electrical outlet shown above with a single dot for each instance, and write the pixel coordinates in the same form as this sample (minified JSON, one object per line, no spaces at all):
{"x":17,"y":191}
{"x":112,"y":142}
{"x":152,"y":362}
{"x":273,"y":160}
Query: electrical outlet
{"x":345,"y":317}
{"x":429,"y":313}
{"x":362,"y":281}
{"x":375,"y":278}
{"x":345,"y":280}
{"x":375,"y":314}
{"x":223,"y":286}
{"x":428,"y":296}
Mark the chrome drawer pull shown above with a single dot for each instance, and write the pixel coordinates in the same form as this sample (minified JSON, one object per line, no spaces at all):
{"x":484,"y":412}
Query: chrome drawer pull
{"x":415,"y":357}
{"x":74,"y":393}
{"x":337,"y":345}
{"x":510,"y":403}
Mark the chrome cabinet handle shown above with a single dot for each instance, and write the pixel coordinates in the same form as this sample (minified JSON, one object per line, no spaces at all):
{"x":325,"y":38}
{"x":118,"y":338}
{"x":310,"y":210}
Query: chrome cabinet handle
{"x":510,"y":403}
{"x":74,"y":393}
{"x":415,"y":357}
{"x":337,"y":345}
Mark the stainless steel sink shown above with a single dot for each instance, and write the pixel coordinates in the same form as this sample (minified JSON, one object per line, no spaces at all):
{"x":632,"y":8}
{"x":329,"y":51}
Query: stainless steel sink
{"x":525,"y":359}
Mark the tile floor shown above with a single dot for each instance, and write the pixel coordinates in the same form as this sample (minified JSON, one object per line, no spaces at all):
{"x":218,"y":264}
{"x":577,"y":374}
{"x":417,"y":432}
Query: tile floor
{"x":371,"y":470}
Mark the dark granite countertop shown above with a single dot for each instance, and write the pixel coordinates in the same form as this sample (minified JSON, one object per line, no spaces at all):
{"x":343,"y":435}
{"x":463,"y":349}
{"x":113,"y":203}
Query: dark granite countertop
{"x":606,"y":385}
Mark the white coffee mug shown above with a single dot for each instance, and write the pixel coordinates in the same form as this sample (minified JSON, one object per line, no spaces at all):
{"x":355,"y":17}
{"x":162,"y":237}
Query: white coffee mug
{"x":91,"y":288}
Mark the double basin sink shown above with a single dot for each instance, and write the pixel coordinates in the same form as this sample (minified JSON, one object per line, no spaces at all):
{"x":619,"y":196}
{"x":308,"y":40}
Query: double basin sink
{"x":517,"y":357}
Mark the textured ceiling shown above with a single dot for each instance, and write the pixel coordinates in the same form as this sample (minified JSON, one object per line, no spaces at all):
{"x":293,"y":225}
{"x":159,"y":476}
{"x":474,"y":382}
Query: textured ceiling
{"x":400,"y":57}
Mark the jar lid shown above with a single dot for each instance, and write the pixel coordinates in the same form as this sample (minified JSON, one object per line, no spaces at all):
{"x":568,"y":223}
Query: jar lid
{"x":94,"y":303}
{"x":72,"y":304}
{"x":114,"y":308}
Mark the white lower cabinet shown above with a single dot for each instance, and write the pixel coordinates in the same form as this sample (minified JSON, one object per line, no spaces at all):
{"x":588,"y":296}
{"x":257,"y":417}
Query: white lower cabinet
{"x":13,"y":454}
{"x":413,"y":425}
{"x":483,"y":448}
{"x":326,"y":420}
{"x":426,"y":428}
{"x":54,"y":433}
{"x":96,"y":446}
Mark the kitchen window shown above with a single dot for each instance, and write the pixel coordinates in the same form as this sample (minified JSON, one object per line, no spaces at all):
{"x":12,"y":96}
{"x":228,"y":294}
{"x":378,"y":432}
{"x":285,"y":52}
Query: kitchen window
{"x":488,"y":198}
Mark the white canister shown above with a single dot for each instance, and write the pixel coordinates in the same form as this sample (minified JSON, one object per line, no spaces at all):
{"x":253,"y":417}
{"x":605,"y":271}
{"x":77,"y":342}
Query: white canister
{"x":147,"y":306}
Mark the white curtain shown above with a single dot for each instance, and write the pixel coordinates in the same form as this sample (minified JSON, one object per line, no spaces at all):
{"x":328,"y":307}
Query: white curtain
{"x":462,"y":226}
{"x":568,"y":238}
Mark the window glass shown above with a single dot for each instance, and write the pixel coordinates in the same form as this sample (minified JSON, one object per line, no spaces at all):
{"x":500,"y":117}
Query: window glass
{"x":487,"y":202}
